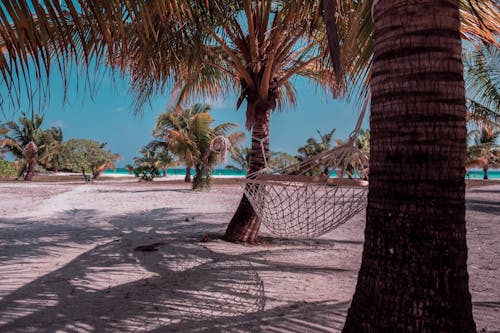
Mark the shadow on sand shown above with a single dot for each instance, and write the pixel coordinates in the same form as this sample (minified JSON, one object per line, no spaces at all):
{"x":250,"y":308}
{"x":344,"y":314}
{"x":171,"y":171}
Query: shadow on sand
{"x":109,"y":287}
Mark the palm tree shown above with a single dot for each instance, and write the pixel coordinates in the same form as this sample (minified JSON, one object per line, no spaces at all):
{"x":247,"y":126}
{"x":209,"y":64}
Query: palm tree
{"x":189,"y":135}
{"x":206,"y":48}
{"x":241,"y":155}
{"x":53,"y":158}
{"x":482,"y":78}
{"x":485,"y":152}
{"x":354,"y":163}
{"x":413,"y":275}
{"x":314,"y":147}
{"x":29,"y":143}
{"x":179,"y":122}
{"x":147,"y":165}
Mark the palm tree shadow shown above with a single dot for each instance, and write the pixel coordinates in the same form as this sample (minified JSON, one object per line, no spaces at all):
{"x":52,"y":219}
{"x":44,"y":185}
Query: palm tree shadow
{"x":112,"y":288}
{"x":484,"y":206}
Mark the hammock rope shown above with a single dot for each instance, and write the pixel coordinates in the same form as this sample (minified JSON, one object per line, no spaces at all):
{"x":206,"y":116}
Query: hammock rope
{"x":303,"y":200}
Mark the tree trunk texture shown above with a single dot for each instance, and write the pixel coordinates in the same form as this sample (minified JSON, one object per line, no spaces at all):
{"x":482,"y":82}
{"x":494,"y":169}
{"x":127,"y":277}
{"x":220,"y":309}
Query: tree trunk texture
{"x":485,"y":173}
{"x":245,"y":224}
{"x":413,"y":275}
{"x":30,"y":170}
{"x":187,"y":178}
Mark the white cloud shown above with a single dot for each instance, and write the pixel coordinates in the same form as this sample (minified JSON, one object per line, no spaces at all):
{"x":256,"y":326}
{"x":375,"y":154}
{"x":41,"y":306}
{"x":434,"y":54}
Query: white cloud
{"x":58,"y":123}
{"x":216,"y":103}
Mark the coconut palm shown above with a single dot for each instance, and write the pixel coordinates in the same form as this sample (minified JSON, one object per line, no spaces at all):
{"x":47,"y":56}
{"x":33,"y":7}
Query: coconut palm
{"x":484,"y":152}
{"x":413,"y":275}
{"x":178,"y":121}
{"x":241,"y":155}
{"x":147,"y":165}
{"x":482,"y":78}
{"x":53,"y":158}
{"x":189,"y":135}
{"x":29,"y":143}
{"x":314,"y":147}
{"x":355,"y":163}
{"x":207,"y":48}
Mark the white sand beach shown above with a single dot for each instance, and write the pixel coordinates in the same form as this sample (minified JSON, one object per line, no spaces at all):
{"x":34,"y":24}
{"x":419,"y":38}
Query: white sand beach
{"x":68,"y":263}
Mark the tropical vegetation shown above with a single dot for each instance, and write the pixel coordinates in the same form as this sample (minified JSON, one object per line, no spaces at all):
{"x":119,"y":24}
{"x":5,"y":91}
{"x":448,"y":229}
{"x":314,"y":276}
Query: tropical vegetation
{"x":30,"y":144}
{"x":415,"y":234}
{"x":8,"y":169}
{"x":482,"y":78}
{"x":152,"y":161}
{"x":484,"y":151}
{"x":88,"y":156}
{"x":314,"y":147}
{"x":188,"y":133}
{"x":354,"y":163}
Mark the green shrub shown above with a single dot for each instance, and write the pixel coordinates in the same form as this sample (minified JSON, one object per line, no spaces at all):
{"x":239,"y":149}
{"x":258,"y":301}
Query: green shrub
{"x":8,"y":169}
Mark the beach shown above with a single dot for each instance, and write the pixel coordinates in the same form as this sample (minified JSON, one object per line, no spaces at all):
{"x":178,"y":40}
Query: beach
{"x":125,"y":256}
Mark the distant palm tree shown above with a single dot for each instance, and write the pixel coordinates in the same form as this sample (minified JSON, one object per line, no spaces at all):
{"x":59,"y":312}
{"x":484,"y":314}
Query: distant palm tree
{"x":484,"y":152}
{"x":355,"y":163}
{"x":241,"y":155}
{"x":146,"y":165}
{"x":29,"y":143}
{"x":482,"y":78}
{"x":189,"y":135}
{"x":314,"y":147}
{"x":180,"y":122}
{"x":53,"y":159}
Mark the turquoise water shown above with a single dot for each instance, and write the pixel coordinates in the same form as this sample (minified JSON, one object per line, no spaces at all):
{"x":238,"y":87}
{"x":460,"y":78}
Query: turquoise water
{"x":473,"y":174}
{"x":478,"y":174}
{"x":182,"y":172}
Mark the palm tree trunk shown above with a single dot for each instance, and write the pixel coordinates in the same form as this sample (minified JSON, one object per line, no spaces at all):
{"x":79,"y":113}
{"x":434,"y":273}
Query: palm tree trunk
{"x":30,"y":155}
{"x":30,"y":170}
{"x":245,"y":224}
{"x":187,"y":179}
{"x":485,"y":173}
{"x":413,"y":275}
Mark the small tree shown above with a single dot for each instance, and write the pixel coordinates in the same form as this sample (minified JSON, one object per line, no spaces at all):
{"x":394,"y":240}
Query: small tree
{"x":153,"y":160}
{"x":85,"y":155}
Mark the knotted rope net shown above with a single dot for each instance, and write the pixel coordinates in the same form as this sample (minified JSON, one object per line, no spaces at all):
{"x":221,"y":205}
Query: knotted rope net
{"x":315,"y":196}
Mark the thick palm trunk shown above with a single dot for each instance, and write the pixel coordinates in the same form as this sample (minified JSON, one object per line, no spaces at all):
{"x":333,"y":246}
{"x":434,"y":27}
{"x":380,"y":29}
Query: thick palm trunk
{"x":245,"y":224}
{"x":187,"y":178}
{"x":413,"y":276}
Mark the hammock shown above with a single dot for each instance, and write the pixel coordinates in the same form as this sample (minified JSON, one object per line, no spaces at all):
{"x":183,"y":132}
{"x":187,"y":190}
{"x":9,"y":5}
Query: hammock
{"x":303,"y":200}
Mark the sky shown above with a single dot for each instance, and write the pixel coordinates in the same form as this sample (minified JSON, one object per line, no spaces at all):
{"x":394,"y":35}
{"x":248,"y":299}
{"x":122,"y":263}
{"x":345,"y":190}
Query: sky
{"x":107,"y":115}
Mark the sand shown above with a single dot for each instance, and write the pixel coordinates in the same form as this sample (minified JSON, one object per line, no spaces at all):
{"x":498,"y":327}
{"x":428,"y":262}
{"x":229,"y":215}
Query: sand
{"x":68,"y":264}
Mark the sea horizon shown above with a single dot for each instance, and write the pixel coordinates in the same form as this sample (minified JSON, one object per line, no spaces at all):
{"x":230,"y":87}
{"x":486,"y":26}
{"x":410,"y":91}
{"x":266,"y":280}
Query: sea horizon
{"x":493,"y":174}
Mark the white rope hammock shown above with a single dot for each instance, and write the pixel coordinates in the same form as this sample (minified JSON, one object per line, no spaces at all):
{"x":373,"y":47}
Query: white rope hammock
{"x":304,"y":201}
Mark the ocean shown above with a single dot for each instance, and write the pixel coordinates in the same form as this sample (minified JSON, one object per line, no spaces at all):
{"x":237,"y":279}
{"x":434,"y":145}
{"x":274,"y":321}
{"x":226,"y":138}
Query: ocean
{"x":182,"y":172}
{"x":472,"y":174}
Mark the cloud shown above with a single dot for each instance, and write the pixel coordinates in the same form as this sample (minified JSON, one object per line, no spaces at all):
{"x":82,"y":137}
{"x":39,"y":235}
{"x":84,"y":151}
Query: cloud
{"x":58,"y":123}
{"x":216,"y":103}
{"x":120,"y":109}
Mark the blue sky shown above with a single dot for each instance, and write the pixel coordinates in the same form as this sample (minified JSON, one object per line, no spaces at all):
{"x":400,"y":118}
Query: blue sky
{"x":107,"y":115}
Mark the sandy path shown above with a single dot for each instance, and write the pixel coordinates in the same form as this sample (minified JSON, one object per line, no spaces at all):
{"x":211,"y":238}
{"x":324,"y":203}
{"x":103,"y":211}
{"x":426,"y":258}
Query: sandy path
{"x":67,"y":263}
